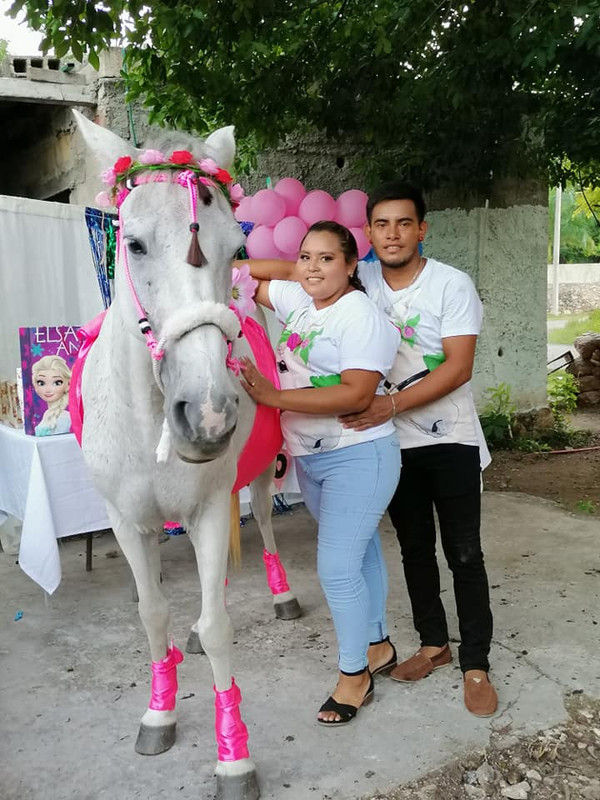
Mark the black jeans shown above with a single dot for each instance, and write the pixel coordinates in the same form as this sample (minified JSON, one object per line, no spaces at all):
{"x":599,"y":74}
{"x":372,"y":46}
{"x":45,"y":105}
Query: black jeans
{"x":446,"y":476}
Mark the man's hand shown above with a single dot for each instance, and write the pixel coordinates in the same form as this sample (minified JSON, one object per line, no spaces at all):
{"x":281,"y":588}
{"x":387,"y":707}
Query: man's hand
{"x":380,"y":410}
{"x":260,"y":389}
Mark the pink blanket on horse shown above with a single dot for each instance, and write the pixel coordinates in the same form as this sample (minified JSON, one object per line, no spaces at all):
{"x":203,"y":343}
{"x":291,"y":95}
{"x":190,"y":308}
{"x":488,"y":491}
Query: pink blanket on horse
{"x":265,"y":439}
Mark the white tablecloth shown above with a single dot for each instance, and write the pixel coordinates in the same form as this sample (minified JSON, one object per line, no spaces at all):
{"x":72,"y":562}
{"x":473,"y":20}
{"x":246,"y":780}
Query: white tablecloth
{"x":44,"y":482}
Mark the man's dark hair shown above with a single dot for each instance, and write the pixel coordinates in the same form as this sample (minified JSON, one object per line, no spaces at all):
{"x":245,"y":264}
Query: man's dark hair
{"x":396,"y":190}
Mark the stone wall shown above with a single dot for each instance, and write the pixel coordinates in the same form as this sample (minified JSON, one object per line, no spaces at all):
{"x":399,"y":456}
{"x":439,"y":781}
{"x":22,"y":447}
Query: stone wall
{"x":576,"y":297}
{"x":586,"y":368}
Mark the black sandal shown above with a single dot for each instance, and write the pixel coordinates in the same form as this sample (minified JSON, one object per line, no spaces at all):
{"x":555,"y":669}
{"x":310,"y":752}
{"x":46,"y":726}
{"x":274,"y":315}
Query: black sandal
{"x":389,"y":665}
{"x":345,"y":711}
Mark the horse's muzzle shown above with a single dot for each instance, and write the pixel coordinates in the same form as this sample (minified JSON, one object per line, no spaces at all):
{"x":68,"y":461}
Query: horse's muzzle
{"x":202,"y":430}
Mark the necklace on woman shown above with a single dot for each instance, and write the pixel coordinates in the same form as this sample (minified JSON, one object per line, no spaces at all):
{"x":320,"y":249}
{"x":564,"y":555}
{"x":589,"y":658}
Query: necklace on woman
{"x":420,"y":266}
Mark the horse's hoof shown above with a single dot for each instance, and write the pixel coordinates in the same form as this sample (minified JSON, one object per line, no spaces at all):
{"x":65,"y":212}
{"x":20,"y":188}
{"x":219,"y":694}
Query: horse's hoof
{"x":155,"y":739}
{"x":238,"y":787}
{"x":289,"y":609}
{"x":194,"y":644}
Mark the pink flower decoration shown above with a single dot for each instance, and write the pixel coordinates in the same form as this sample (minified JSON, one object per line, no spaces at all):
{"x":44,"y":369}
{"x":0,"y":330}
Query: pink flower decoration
{"x":182,"y":157}
{"x":109,"y":176}
{"x":152,"y":157}
{"x":243,"y":287}
{"x":103,"y":200}
{"x":293,"y":341}
{"x":236,"y":193}
{"x":408,"y":332}
{"x":209,"y":166}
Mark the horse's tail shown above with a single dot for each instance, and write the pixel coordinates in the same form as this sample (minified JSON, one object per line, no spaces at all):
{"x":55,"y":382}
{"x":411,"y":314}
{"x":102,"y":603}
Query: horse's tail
{"x":235,"y":540}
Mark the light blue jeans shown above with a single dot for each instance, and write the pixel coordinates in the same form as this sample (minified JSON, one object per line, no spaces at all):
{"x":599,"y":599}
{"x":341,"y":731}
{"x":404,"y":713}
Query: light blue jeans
{"x":347,"y":491}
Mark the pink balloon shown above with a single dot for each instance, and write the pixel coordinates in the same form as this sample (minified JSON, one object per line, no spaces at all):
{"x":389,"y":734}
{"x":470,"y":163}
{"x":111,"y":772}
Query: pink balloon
{"x":317,"y":205}
{"x":351,"y":208}
{"x":268,"y":207}
{"x":293,"y":191}
{"x":243,"y":212}
{"x":288,"y":233}
{"x":259,"y":243}
{"x":364,"y":245}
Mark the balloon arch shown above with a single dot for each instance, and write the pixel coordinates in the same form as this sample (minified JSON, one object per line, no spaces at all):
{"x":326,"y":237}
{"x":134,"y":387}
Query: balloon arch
{"x":282,"y":215}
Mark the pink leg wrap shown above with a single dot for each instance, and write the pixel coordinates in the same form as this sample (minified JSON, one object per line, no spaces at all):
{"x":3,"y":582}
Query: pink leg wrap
{"x":164,"y":680}
{"x":232,"y":734}
{"x":276,"y":576}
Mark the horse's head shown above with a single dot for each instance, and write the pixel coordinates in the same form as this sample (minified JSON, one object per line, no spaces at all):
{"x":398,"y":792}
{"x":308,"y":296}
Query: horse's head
{"x":178,"y":237}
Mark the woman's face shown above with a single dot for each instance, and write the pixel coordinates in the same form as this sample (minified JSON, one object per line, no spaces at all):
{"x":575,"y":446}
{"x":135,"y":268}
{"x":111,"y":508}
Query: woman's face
{"x":50,"y":385}
{"x":322,"y":268}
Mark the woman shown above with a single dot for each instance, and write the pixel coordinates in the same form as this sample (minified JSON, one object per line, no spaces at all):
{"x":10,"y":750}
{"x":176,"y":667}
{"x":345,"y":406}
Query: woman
{"x":333,"y":353}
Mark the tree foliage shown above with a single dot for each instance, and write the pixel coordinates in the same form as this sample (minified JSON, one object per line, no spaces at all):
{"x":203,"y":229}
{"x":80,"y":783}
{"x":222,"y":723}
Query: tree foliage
{"x":457,"y":90}
{"x":579,"y":229}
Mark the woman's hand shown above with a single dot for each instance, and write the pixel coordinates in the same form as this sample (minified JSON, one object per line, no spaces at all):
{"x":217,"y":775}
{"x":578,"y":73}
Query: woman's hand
{"x":257,"y":386}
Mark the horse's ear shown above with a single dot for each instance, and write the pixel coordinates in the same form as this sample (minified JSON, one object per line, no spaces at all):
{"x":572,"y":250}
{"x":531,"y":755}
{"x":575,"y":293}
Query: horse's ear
{"x":220,"y":146}
{"x":104,"y":144}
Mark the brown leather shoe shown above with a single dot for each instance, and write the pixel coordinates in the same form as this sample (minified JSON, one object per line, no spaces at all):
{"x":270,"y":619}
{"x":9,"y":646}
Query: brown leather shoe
{"x":480,"y":696}
{"x":419,"y":666}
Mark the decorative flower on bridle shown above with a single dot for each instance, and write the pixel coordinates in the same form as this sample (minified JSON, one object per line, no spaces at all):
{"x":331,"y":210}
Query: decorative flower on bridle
{"x":180,"y":167}
{"x":152,"y":165}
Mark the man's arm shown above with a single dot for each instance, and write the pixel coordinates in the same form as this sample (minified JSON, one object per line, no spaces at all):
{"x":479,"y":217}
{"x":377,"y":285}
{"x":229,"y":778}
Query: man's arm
{"x":269,"y":269}
{"x":454,"y":372}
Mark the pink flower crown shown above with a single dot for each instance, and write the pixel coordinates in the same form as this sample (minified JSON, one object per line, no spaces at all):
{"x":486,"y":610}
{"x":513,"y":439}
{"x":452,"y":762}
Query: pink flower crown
{"x":121,"y":177}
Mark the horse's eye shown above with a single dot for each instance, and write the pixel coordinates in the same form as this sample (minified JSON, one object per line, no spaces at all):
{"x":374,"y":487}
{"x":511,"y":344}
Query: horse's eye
{"x":136,"y":247}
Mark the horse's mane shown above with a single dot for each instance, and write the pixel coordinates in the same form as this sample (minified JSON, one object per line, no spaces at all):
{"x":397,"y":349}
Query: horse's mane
{"x":168,"y":141}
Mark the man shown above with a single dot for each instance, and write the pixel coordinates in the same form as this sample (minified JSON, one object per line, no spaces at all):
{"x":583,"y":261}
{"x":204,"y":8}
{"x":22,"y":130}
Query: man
{"x":438,"y":313}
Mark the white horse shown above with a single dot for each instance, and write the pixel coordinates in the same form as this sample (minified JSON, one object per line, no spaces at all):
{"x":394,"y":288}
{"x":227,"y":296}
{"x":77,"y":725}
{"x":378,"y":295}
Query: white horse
{"x":190,"y":402}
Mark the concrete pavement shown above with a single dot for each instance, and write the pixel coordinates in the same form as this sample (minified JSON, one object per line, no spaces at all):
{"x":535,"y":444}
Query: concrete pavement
{"x":74,"y":671}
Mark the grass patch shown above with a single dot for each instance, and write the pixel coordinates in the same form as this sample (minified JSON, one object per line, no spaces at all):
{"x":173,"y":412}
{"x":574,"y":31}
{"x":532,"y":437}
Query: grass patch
{"x":575,"y":327}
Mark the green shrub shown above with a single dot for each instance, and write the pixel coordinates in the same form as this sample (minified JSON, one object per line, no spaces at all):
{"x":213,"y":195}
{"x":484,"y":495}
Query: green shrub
{"x":562,"y":392}
{"x":497,"y":416}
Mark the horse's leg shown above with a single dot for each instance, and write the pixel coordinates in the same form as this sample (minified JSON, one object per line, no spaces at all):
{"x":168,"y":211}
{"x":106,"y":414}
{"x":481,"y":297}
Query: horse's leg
{"x":157,"y":727}
{"x":236,"y":773}
{"x":285,"y":603}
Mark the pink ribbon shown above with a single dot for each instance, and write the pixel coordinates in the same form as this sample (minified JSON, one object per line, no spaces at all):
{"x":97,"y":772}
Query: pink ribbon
{"x":232,"y":734}
{"x":164,"y":680}
{"x":276,"y":577}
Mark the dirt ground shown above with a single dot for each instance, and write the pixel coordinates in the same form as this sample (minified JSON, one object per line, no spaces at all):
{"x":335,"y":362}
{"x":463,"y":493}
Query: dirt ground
{"x":562,"y":763}
{"x":571,"y":479}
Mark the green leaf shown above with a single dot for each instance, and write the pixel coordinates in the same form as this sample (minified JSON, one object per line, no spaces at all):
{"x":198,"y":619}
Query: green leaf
{"x":93,"y":59}
{"x":61,"y":48}
{"x":304,"y":353}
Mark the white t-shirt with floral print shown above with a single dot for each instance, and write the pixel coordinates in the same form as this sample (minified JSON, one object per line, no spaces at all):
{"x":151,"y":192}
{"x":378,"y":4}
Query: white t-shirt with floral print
{"x":315,"y":347}
{"x":442,"y":302}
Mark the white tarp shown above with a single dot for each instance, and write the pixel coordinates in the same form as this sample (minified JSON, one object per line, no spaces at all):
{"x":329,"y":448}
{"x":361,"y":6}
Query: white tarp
{"x":47,"y":275}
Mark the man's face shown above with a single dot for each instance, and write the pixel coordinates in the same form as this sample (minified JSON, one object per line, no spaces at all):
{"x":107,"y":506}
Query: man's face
{"x":395,"y":232}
